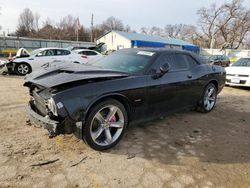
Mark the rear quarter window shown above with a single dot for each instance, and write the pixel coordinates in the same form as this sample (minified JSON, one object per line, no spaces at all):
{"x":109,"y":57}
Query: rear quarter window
{"x":178,"y":62}
{"x":90,"y":53}
{"x":190,"y":61}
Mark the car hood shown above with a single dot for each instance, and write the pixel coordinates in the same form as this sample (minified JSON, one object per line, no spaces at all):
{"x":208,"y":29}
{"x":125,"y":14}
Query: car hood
{"x":238,"y":70}
{"x":55,"y":76}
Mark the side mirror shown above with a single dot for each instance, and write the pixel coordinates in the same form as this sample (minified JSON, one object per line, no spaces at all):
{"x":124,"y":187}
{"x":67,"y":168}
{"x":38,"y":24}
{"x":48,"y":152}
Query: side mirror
{"x":164,"y":68}
{"x":39,"y":55}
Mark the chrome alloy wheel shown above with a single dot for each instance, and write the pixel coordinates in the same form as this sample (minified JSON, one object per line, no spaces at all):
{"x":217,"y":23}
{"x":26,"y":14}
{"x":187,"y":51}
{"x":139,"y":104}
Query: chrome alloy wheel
{"x":209,"y":98}
{"x":23,"y":69}
{"x":107,"y":125}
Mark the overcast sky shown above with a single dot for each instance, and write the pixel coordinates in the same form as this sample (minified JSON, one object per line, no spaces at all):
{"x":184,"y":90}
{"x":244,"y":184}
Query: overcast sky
{"x":136,"y":13}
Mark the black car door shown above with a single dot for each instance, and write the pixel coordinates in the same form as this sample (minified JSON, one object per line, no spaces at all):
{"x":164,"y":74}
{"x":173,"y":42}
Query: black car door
{"x":170,"y":92}
{"x":196,"y":80}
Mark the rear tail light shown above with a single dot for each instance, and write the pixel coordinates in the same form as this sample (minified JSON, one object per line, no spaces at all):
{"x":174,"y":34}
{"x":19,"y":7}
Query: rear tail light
{"x":84,"y":56}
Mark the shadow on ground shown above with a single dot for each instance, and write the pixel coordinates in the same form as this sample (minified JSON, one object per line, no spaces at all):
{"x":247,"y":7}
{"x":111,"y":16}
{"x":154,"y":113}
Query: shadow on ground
{"x":205,"y":137}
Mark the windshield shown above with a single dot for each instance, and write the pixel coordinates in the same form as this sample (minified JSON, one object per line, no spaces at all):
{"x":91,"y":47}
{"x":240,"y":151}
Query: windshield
{"x":34,"y":52}
{"x":243,"y":62}
{"x":125,"y":62}
{"x":215,"y":57}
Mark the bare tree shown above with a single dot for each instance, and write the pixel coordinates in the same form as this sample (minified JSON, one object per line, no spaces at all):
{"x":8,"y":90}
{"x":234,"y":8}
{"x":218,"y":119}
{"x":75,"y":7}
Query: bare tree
{"x":0,"y":14}
{"x":173,"y":30}
{"x":112,"y":23}
{"x":26,"y":22}
{"x":153,"y":31}
{"x":233,"y":34}
{"x":181,"y":31}
{"x":128,"y":28}
{"x":67,"y":27}
{"x":224,"y":26}
{"x":145,"y":30}
{"x":36,"y":21}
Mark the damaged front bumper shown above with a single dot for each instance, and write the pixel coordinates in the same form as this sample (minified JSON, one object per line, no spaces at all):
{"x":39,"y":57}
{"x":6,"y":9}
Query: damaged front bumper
{"x":54,"y":127}
{"x":51,"y":125}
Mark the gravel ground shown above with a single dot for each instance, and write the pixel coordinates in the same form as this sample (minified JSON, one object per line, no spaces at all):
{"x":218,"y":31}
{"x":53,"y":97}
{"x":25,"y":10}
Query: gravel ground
{"x":189,"y":149}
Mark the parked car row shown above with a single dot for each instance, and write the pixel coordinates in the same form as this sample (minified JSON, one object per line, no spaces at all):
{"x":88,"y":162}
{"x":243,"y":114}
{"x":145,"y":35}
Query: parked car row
{"x":25,"y":62}
{"x":98,"y":97}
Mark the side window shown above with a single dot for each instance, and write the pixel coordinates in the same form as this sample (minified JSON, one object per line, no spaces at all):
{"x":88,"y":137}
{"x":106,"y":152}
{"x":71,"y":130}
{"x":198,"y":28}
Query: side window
{"x":43,"y":52}
{"x":90,"y":53}
{"x":49,"y":53}
{"x":62,"y":52}
{"x":83,"y":52}
{"x":190,"y":61}
{"x":178,"y":62}
{"x":65,"y":52}
{"x":58,"y":52}
{"x":164,"y":59}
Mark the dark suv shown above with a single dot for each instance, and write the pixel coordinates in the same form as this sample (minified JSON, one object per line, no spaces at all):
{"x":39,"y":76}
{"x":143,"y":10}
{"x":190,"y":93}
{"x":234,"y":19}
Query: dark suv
{"x":220,"y":60}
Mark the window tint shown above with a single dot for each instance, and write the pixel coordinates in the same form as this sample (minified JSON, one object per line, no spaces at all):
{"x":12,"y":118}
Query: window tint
{"x":66,"y":52}
{"x":190,"y":61}
{"x":83,"y":53}
{"x":90,"y":53}
{"x":43,"y":52}
{"x":58,"y":52}
{"x":243,"y":62}
{"x":62,"y":52}
{"x":162,"y":60}
{"x":49,"y":52}
{"x":178,"y":62}
{"x":124,"y":62}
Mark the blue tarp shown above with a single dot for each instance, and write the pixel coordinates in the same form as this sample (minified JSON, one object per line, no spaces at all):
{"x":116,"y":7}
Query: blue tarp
{"x":140,"y":43}
{"x":191,"y":48}
{"x":148,"y":44}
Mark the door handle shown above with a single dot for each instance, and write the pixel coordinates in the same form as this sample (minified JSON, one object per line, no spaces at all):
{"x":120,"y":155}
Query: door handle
{"x":189,"y":76}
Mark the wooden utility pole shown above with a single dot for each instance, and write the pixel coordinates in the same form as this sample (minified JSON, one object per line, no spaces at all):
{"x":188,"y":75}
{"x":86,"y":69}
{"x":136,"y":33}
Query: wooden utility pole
{"x":92,"y":25}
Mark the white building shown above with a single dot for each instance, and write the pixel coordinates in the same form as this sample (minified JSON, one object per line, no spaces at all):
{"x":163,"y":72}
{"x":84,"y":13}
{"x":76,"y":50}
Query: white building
{"x":115,"y":40}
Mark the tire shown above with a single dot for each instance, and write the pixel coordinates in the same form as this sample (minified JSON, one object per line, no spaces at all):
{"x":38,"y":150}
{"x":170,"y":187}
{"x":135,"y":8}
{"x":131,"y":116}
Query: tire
{"x":105,"y":125}
{"x":22,"y":69}
{"x":209,"y":98}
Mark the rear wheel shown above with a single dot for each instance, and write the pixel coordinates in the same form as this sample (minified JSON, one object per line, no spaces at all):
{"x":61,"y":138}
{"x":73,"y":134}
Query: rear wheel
{"x":22,"y":69}
{"x":105,"y":125}
{"x":209,"y":98}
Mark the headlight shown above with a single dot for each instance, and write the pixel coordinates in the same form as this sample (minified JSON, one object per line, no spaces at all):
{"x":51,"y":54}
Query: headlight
{"x":52,"y":106}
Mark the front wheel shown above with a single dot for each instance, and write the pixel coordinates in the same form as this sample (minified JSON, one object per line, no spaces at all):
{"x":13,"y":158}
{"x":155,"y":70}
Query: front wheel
{"x":105,"y":125}
{"x":208,"y":99}
{"x":22,"y":69}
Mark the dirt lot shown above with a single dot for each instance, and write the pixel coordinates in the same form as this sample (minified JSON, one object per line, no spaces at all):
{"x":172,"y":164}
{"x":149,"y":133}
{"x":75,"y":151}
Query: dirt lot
{"x":183,"y":150}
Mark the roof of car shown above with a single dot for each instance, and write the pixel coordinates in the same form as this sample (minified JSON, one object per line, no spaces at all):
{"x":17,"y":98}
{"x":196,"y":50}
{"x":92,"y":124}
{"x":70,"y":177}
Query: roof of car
{"x":165,"y":50}
{"x":79,"y":50}
{"x":52,"y":48}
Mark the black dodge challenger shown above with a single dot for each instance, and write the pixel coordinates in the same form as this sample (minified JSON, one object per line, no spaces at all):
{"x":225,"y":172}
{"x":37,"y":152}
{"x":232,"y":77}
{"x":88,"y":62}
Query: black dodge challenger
{"x":97,"y":102}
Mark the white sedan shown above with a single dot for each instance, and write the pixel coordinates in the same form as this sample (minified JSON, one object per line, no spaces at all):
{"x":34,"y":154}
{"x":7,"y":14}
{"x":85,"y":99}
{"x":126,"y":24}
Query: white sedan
{"x":89,"y":55}
{"x":26,"y":63}
{"x":239,"y":73}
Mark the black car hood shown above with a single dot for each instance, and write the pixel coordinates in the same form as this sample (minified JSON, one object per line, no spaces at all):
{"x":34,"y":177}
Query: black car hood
{"x":53,"y":77}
